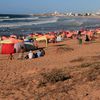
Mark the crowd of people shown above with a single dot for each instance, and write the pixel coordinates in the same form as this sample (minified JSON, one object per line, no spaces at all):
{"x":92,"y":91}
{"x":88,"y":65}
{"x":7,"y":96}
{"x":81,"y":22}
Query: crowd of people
{"x":52,"y":37}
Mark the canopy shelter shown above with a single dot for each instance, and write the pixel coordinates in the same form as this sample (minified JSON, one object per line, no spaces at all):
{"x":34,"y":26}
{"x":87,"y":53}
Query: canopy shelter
{"x":18,"y":46}
{"x":29,"y":46}
{"x":42,"y":38}
{"x":7,"y":41}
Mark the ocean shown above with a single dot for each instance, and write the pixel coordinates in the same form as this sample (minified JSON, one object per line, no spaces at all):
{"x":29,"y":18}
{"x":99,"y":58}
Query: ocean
{"x":25,"y":24}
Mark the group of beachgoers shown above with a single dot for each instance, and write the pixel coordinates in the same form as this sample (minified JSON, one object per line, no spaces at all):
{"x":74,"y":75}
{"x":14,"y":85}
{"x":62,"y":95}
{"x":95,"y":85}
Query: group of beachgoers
{"x":39,"y":53}
{"x":50,"y":37}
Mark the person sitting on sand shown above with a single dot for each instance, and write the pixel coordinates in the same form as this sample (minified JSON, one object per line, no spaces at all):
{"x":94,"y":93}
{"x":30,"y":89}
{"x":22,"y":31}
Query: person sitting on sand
{"x":38,"y":53}
{"x":42,"y":52}
{"x":59,"y":38}
{"x":87,"y":38}
{"x":30,"y":54}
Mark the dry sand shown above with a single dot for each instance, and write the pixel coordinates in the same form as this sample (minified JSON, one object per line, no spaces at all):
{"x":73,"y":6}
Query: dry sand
{"x":68,"y":71}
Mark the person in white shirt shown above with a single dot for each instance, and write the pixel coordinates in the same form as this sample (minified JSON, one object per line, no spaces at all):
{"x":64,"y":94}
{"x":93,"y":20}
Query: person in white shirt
{"x":30,"y":54}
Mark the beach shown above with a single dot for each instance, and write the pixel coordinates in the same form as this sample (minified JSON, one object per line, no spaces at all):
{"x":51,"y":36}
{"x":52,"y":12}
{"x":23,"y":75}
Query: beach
{"x":49,"y":50}
{"x":68,"y":71}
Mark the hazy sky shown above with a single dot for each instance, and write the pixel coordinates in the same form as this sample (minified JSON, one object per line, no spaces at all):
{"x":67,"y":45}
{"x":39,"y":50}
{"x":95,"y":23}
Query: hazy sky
{"x":41,"y":6}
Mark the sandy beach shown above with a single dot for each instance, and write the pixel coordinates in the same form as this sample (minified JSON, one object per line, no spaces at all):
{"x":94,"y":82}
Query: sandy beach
{"x":68,"y":71}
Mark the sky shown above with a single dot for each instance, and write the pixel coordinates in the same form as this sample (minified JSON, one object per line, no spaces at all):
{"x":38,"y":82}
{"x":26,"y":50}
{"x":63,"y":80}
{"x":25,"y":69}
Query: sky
{"x":45,"y":6}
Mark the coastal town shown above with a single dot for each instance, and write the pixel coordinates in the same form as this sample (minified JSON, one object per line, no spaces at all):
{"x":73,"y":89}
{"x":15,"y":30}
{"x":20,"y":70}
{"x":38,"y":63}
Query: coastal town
{"x":56,"y":13}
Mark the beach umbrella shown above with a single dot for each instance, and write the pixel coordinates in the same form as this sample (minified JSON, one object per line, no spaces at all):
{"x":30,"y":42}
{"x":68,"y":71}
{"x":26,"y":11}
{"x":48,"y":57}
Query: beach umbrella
{"x":13,"y":40}
{"x":4,"y":38}
{"x":47,"y":36}
{"x":13,"y":36}
{"x":69,"y":35}
{"x":51,"y":36}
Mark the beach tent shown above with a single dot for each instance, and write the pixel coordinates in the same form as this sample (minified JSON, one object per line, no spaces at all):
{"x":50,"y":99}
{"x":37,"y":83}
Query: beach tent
{"x":7,"y":47}
{"x":0,"y":48}
{"x":17,"y":46}
{"x":42,"y":38}
{"x":29,"y":46}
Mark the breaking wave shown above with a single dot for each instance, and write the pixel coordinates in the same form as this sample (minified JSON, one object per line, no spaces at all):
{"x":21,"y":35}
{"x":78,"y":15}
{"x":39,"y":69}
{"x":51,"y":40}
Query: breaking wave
{"x":17,"y":19}
{"x":51,"y":20}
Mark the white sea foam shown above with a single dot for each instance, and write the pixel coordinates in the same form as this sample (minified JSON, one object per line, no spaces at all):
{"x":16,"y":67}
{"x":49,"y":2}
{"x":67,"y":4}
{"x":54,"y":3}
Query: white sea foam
{"x":51,"y":20}
{"x":18,"y":24}
{"x":75,"y":22}
{"x":79,"y":23}
{"x":15,"y":19}
{"x":7,"y":17}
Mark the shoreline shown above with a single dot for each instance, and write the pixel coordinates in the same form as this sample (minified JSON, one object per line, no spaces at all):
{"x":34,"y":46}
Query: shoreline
{"x":80,"y":16}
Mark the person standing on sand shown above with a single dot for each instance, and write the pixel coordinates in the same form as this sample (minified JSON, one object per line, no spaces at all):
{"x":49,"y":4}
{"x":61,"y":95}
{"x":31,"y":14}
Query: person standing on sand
{"x":79,"y":37}
{"x":21,"y":53}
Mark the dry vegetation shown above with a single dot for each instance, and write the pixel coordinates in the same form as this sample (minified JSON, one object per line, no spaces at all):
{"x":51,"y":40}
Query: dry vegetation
{"x":53,"y":84}
{"x":80,"y":59}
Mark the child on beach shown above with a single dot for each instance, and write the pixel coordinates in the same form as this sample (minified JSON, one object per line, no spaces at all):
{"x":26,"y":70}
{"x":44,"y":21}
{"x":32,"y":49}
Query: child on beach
{"x":11,"y":56}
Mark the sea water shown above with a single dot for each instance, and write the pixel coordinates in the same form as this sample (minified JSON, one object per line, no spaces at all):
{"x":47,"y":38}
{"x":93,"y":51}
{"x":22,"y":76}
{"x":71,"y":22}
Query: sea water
{"x":25,"y":24}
